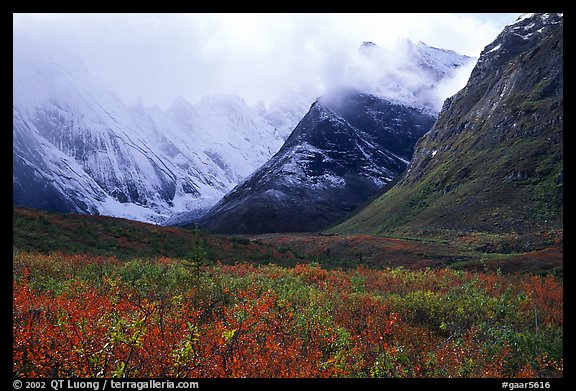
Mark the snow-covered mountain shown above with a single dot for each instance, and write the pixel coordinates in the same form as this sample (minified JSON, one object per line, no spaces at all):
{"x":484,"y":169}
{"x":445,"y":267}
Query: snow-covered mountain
{"x":234,"y":136}
{"x":353,"y":141}
{"x":414,"y":74}
{"x":342,"y":152}
{"x":77,"y":147}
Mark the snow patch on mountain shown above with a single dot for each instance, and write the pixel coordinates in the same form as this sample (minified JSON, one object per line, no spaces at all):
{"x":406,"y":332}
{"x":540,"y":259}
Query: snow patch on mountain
{"x":234,"y":136}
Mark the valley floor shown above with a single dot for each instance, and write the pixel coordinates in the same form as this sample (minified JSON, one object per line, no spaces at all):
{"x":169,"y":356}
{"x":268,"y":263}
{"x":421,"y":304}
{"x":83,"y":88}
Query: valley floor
{"x":535,"y":253}
{"x":104,"y":297}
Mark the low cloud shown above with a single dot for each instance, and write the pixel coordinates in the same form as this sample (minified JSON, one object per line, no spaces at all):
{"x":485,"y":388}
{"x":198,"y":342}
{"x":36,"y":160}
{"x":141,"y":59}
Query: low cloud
{"x":157,"y":57}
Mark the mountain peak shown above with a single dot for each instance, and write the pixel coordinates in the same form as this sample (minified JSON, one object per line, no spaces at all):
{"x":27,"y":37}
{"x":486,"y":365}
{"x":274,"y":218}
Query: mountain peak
{"x":367,"y":45}
{"x":180,"y":110}
{"x":519,"y":35}
{"x":413,"y":74}
{"x":370,"y":50}
{"x":528,"y":31}
{"x":526,"y":21}
{"x":342,"y":152}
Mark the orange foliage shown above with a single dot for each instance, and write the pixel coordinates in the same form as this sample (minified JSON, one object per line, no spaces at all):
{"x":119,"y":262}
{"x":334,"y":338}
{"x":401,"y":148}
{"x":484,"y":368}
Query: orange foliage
{"x":348,"y":328}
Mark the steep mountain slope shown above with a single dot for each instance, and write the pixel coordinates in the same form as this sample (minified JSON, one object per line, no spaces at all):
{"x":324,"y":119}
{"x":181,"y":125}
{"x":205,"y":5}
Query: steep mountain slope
{"x":38,"y":169}
{"x":232,"y":134}
{"x":493,"y":160}
{"x":78,"y":148}
{"x":344,"y":150}
{"x":74,"y":119}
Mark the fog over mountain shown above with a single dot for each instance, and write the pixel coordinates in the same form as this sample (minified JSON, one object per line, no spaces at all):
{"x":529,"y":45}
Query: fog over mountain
{"x":260,"y":57}
{"x":147,"y":115}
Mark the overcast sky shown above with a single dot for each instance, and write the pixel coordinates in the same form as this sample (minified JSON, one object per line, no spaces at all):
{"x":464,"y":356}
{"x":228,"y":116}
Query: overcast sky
{"x":158,"y":57}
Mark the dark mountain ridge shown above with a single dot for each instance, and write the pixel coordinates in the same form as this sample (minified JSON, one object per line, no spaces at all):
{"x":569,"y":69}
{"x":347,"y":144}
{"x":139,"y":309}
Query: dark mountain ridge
{"x":342,"y":152}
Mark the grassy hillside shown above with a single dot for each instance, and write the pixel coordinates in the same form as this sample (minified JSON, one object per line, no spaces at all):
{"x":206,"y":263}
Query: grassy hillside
{"x":47,"y":232}
{"x":470,"y":192}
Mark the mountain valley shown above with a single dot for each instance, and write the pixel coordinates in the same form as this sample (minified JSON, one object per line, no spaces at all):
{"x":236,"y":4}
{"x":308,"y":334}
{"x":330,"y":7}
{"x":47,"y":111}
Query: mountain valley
{"x":382,"y":229}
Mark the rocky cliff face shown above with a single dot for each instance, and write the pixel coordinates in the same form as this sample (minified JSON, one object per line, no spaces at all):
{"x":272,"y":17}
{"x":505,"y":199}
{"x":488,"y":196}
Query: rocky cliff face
{"x":494,"y":159}
{"x":341,"y":153}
